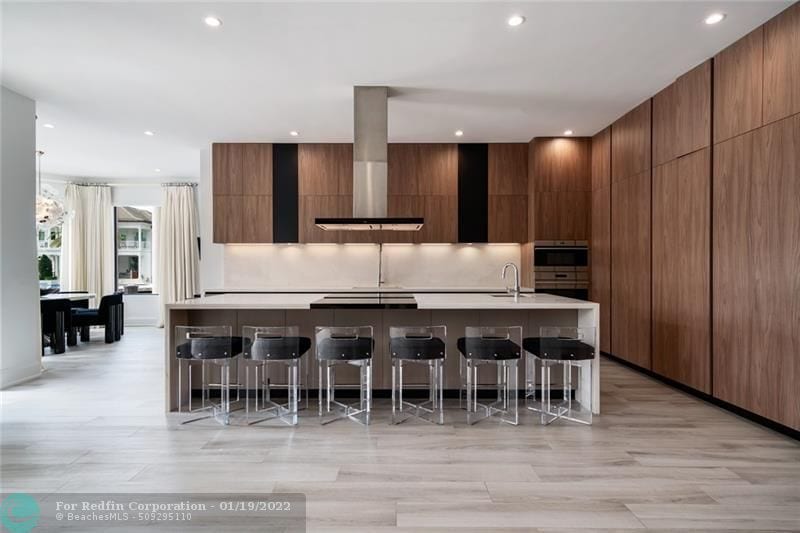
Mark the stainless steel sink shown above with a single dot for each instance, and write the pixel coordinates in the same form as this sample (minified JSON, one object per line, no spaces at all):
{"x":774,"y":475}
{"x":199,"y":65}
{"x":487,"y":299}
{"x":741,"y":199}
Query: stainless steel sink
{"x":507,"y":295}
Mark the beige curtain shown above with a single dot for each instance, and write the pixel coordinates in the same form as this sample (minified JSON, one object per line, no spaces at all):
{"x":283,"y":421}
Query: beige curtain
{"x":87,"y":246}
{"x":178,"y":256}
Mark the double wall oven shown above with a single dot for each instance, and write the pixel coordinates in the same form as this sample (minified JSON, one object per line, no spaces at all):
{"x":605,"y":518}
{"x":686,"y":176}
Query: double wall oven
{"x":562,"y":268}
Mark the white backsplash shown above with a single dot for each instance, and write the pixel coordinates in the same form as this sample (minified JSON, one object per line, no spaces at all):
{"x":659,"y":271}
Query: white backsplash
{"x":356,"y":265}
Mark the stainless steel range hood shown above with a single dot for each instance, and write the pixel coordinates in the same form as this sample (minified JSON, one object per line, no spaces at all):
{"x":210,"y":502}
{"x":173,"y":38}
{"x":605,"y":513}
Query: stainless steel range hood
{"x":370,"y":168}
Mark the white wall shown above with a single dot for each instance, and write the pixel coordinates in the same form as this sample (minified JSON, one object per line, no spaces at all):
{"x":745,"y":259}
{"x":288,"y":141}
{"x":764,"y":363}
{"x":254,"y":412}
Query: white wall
{"x":211,"y":255}
{"x":20,"y":330}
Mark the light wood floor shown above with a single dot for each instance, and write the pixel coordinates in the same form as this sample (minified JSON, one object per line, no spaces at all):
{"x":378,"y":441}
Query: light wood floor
{"x":655,"y":459}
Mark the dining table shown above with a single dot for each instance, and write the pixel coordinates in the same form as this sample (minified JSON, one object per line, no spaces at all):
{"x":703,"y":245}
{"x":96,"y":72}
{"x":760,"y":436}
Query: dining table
{"x":56,"y":319}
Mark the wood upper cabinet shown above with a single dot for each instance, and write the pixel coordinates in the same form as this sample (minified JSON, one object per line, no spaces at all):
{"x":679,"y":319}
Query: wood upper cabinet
{"x":559,"y":197}
{"x":756,"y":280}
{"x":508,"y":192}
{"x":508,"y":168}
{"x":693,"y":110}
{"x":312,"y":206}
{"x":257,"y":169}
{"x":738,"y":79}
{"x":682,"y":270}
{"x":630,"y":269}
{"x":438,"y":169}
{"x":508,"y":218}
{"x":242,"y":192}
{"x":325,"y":169}
{"x":441,"y":219}
{"x":228,"y":218}
{"x":601,"y":160}
{"x":227,"y":161}
{"x":782,"y":65}
{"x":562,"y":215}
{"x":406,"y":166}
{"x":256,"y":219}
{"x":630,"y":143}
{"x":561,"y":164}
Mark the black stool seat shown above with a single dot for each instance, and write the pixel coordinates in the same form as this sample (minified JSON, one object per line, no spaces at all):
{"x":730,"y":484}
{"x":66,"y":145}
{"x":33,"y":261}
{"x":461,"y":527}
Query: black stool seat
{"x":556,"y":349}
{"x":422,"y":348}
{"x":211,"y":347}
{"x":276,"y":348}
{"x":493,"y":349}
{"x":345,"y":348}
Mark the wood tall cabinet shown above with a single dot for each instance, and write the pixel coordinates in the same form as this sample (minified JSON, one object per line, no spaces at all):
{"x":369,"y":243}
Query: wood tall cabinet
{"x":681,"y":232}
{"x":681,"y":270}
{"x":600,"y":242}
{"x":242,"y":192}
{"x":630,"y":236}
{"x":756,"y":291}
{"x":508,"y":192}
{"x":630,"y":269}
{"x":560,"y":185}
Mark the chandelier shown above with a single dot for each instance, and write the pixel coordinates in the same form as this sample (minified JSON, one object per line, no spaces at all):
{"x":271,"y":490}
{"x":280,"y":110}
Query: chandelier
{"x":49,"y":210}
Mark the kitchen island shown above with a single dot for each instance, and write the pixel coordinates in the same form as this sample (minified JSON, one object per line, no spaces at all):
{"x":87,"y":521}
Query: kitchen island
{"x":334,"y":307}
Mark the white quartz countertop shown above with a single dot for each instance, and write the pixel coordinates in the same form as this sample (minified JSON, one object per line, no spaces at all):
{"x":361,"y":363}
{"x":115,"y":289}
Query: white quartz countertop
{"x":466,"y":300}
{"x":487,"y":301}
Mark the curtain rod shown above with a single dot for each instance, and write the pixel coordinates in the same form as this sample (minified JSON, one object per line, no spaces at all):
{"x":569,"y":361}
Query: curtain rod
{"x":179,"y":184}
{"x":112,"y":184}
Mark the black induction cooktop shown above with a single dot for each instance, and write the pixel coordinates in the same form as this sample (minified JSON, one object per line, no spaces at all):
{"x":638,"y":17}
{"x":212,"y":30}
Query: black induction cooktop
{"x":366,"y":300}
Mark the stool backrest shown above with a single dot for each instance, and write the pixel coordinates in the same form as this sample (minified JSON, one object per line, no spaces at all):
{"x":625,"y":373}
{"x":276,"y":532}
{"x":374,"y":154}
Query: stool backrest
{"x":360,"y":335}
{"x":417,"y":332}
{"x":266,"y":342}
{"x":204,"y":342}
{"x":557,"y":339}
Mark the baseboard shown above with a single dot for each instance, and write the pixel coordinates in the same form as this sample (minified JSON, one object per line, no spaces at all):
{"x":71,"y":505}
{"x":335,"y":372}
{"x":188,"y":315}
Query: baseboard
{"x":28,"y":374}
{"x":137,"y":322}
{"x":735,"y":409}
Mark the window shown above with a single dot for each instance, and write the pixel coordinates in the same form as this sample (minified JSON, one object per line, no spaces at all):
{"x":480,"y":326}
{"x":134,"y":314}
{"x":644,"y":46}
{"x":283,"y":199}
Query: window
{"x":49,"y":255}
{"x":134,"y":226}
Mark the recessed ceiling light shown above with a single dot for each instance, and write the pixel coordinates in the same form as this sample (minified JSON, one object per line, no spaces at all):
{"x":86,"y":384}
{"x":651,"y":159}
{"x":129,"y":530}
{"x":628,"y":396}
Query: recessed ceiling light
{"x":156,"y":170}
{"x":149,"y":133}
{"x":459,"y":133}
{"x":48,"y":126}
{"x":714,"y":18}
{"x":515,"y":20}
{"x":293,"y":133}
{"x":213,"y":22}
{"x":568,"y":132}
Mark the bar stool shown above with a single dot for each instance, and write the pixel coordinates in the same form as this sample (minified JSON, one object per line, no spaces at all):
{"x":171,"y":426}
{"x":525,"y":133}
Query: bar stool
{"x":208,"y":347}
{"x":421,"y":345}
{"x":262,"y":347}
{"x":498,"y":346}
{"x":565,"y":347}
{"x":350,"y":345}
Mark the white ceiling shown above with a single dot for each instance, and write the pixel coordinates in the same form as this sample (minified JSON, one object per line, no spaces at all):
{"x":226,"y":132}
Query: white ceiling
{"x":102,"y":73}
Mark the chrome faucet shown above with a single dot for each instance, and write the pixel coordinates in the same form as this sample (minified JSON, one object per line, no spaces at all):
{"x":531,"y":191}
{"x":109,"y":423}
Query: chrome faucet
{"x":516,"y":290}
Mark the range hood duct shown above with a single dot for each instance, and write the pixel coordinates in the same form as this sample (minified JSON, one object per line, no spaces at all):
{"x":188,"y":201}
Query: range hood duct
{"x":370,"y":168}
